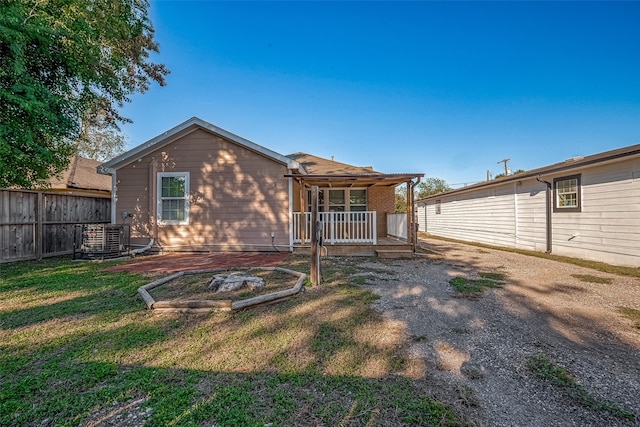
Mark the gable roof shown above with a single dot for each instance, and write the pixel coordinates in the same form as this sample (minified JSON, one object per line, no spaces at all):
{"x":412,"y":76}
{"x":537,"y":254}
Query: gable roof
{"x":566,"y":165}
{"x":81,"y":174}
{"x":183,"y":129}
{"x":321,"y":166}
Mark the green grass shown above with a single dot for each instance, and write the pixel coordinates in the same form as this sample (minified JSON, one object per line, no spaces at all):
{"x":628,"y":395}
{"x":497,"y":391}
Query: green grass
{"x":631,"y":314}
{"x":474,"y":287}
{"x":544,"y":368}
{"x":78,"y":345}
{"x":590,"y":278}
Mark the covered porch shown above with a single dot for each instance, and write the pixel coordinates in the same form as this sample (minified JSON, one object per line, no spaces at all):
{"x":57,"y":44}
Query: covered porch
{"x":353,"y":211}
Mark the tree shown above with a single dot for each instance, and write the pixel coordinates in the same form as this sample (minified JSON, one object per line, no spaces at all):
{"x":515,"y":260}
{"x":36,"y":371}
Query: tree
{"x":431,"y":186}
{"x":99,"y":139}
{"x":500,"y":175}
{"x":59,"y":59}
{"x":401,"y":198}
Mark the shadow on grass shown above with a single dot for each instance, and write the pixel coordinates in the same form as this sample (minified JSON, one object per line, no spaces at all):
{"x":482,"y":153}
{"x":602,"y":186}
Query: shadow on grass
{"x":99,"y":358}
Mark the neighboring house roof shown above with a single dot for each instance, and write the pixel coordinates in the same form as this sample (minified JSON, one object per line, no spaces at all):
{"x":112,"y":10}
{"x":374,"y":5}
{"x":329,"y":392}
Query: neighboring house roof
{"x":81,"y":175}
{"x":567,"y":165}
{"x":186,"y":128}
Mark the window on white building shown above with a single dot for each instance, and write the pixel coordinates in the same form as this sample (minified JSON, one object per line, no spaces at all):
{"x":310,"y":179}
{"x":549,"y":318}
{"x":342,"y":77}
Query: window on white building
{"x":567,"y":194}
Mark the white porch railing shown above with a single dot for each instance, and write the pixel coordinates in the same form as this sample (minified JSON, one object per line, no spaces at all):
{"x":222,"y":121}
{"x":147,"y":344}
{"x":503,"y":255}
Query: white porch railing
{"x":338,"y":227}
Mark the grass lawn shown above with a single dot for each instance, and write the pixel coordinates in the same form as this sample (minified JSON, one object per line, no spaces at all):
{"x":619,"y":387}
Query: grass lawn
{"x":77,"y":347}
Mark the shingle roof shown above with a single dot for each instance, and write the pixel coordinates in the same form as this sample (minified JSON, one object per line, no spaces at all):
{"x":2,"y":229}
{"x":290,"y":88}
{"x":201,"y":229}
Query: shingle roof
{"x":320,"y":166}
{"x":81,"y":174}
{"x":566,"y":165}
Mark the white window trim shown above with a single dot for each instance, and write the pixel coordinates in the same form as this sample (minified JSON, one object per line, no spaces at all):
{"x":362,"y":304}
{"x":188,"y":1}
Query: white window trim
{"x":159,"y":199}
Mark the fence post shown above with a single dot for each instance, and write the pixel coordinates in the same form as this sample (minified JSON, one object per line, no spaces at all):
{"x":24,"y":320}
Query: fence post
{"x":40,"y":216}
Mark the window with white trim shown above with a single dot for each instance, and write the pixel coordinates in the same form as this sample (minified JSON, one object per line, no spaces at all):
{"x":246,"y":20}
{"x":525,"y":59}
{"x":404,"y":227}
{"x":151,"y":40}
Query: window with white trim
{"x":173,"y":198}
{"x":567,"y":194}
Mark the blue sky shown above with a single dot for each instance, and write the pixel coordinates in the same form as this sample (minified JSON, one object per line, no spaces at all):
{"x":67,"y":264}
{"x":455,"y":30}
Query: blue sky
{"x":447,"y":89}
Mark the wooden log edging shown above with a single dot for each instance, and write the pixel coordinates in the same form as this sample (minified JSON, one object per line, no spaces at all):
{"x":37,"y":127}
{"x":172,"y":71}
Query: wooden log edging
{"x":221,"y":305}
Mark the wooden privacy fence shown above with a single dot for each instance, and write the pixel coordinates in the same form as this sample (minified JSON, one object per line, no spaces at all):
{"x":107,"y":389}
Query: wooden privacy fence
{"x":35,"y":224}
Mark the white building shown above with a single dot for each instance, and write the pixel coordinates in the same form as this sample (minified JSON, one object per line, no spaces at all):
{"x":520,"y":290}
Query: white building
{"x":585,"y":207}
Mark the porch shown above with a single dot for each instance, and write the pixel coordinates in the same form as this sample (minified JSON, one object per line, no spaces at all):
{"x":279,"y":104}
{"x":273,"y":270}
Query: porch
{"x":347,"y":233}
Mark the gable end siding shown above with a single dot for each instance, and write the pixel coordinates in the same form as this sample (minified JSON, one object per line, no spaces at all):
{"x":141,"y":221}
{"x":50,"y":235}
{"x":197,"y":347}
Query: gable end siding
{"x":237,"y":197}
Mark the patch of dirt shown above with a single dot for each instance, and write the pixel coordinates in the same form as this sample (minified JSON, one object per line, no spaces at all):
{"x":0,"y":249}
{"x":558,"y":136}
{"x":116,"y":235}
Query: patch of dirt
{"x":172,"y":263}
{"x":482,"y":345}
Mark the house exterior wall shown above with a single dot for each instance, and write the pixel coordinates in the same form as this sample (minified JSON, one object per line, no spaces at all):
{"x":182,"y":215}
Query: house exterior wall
{"x":237,"y":197}
{"x":383,"y":201}
{"x":513,"y":214}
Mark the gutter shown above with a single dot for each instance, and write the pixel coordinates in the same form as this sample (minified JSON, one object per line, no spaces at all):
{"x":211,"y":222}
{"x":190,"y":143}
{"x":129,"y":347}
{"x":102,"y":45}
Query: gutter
{"x":549,"y":204}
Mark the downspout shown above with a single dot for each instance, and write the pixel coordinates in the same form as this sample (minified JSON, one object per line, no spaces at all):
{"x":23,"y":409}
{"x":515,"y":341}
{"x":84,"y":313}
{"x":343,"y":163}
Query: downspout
{"x":548,"y":194}
{"x":414,"y":230}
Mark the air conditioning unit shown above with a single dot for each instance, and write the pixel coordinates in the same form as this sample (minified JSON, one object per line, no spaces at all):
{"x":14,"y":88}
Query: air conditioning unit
{"x":103,"y":241}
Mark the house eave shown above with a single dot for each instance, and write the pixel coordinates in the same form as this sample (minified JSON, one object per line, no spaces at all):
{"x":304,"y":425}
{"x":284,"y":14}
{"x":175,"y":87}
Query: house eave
{"x":567,"y":165}
{"x":183,"y":129}
{"x":354,"y":180}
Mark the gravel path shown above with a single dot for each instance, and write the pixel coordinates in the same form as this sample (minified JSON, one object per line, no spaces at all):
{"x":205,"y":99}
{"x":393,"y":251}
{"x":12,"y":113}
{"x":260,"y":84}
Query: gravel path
{"x":483,"y":345}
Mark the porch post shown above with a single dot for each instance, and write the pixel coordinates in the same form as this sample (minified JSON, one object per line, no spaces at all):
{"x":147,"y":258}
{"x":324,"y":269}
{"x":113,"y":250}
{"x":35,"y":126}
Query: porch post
{"x":409,"y":208}
{"x":303,"y":218}
{"x":315,"y":252}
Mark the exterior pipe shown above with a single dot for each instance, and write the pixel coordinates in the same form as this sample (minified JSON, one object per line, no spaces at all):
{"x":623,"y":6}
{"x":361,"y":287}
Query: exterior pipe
{"x":414,"y":232}
{"x":549,"y":230}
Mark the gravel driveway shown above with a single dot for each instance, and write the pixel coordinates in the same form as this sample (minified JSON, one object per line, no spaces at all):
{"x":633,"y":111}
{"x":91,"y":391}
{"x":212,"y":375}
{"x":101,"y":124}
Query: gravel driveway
{"x":543,"y":309}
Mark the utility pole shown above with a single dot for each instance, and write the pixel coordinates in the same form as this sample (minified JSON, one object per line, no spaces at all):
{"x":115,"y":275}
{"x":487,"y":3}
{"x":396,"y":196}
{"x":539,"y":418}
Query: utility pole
{"x":506,"y":170}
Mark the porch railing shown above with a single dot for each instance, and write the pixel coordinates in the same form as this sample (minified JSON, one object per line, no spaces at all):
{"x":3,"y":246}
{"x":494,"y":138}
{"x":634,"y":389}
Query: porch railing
{"x":338,"y":227}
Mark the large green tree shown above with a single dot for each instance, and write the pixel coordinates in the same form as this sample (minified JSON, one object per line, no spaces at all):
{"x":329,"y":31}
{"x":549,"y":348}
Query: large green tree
{"x":431,"y":186}
{"x":60,"y":59}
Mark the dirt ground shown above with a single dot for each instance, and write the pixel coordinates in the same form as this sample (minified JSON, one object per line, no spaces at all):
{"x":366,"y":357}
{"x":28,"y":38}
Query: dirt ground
{"x":545,"y":308}
{"x":173,"y":263}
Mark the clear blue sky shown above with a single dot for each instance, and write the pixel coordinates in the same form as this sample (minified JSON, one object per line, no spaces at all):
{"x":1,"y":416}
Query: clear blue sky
{"x":447,"y":89}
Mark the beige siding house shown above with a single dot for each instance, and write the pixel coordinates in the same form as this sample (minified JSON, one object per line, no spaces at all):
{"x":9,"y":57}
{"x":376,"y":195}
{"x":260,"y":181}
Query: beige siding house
{"x":198,"y":187}
{"x":585,"y":207}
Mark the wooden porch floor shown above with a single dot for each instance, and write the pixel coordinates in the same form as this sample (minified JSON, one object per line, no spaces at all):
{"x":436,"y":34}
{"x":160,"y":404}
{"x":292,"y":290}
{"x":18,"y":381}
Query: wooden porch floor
{"x":388,"y":244}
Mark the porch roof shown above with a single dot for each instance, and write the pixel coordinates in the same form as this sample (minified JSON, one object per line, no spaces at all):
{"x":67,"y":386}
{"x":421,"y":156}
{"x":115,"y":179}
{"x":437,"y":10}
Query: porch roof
{"x":355,"y":180}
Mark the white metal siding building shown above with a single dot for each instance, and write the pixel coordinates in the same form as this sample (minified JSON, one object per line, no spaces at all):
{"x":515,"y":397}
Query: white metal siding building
{"x":593,"y":210}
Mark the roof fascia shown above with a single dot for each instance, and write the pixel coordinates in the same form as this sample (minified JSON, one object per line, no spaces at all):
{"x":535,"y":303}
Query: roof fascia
{"x":567,"y":165}
{"x":178,"y":131}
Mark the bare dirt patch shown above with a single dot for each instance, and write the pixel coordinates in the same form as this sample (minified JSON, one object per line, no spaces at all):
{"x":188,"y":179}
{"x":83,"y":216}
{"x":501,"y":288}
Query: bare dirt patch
{"x":567,"y":314}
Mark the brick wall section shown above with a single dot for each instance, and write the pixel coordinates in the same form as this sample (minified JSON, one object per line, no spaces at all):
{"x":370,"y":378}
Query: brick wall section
{"x":382,"y":200}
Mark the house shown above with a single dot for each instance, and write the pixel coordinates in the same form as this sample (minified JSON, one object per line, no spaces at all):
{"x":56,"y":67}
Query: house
{"x":584,"y":207}
{"x":198,"y":187}
{"x":80,"y":178}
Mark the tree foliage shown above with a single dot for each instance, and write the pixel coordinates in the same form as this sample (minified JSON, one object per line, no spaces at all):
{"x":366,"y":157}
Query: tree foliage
{"x":99,"y":138}
{"x":501,"y":175}
{"x":401,"y":198}
{"x":59,"y":60}
{"x":430,"y":186}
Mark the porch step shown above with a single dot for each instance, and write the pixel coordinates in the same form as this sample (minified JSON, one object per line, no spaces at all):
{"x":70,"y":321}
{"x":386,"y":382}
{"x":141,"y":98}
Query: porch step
{"x":391,"y":253}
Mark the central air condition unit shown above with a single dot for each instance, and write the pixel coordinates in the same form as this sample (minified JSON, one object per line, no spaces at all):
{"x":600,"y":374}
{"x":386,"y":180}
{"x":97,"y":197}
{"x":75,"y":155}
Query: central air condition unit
{"x":100,"y":241}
